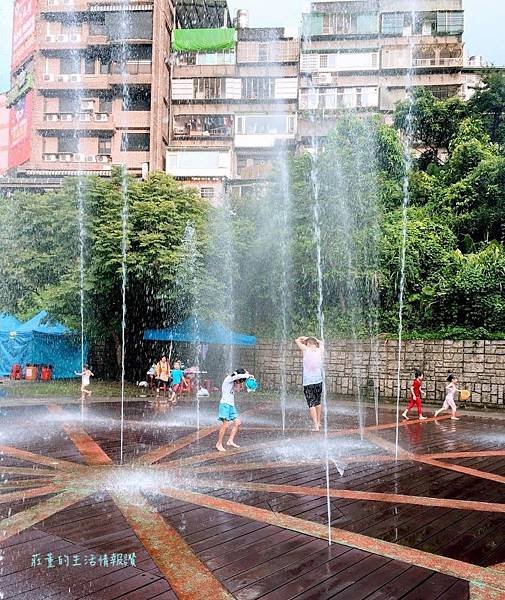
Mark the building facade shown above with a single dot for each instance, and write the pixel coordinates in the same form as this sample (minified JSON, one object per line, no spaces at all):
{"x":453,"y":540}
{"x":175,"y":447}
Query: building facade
{"x":232,"y":108}
{"x":363,"y":54}
{"x":171,"y":85}
{"x":99,"y":87}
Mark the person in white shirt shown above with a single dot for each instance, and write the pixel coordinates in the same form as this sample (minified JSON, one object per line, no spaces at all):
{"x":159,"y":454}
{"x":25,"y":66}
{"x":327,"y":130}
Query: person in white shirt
{"x":227,"y":411}
{"x":313,"y":354}
{"x":85,"y":382}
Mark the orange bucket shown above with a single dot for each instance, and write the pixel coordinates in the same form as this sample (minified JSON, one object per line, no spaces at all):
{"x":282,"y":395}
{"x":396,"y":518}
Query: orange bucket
{"x":464,"y":395}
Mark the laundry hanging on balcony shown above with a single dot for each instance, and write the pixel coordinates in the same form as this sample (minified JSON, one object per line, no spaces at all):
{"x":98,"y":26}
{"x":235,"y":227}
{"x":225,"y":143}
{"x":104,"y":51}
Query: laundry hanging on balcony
{"x":203,"y":40}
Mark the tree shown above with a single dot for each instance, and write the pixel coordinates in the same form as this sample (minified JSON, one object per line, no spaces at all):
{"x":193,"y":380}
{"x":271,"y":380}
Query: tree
{"x":40,"y":258}
{"x":434,"y":122}
{"x":488,"y":104}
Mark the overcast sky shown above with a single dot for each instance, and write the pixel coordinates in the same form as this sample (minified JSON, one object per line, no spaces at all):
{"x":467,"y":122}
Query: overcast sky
{"x":484,"y":21}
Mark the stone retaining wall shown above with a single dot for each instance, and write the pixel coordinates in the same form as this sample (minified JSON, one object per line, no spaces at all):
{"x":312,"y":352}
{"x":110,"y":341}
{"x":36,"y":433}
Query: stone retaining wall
{"x":479,"y":365}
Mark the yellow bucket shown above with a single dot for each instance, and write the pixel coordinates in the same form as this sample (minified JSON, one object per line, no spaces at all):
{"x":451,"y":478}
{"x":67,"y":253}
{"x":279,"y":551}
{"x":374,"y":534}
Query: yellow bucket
{"x":464,"y":395}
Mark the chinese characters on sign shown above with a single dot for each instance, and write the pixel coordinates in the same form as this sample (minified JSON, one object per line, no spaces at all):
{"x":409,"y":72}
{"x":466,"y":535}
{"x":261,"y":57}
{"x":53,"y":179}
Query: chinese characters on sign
{"x":50,"y":560}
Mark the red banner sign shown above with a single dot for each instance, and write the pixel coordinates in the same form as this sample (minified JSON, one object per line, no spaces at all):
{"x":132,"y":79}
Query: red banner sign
{"x":4,"y":135}
{"x":23,"y":33}
{"x":20,"y":131}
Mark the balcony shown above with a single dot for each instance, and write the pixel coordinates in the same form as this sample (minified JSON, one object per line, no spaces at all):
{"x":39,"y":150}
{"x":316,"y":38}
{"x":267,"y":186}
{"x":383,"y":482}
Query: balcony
{"x":134,"y":75}
{"x":256,"y":171}
{"x":203,"y":127}
{"x":81,"y":120}
{"x":71,"y":158}
{"x":426,"y":63}
{"x":53,"y":6}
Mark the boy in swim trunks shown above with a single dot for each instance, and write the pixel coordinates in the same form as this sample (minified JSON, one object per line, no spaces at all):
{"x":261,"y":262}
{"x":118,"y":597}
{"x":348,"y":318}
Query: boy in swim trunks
{"x":227,"y":411}
{"x":313,"y":353}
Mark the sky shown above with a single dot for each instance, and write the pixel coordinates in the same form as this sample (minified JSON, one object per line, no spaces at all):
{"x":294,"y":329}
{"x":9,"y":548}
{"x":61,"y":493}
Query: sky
{"x":483,"y":28}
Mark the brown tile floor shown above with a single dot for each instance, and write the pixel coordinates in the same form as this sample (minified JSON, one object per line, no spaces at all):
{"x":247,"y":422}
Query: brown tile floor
{"x":251,"y":523}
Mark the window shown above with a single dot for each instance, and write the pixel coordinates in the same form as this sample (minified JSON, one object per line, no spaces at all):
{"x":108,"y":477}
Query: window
{"x":68,"y":145}
{"x":97,"y":27}
{"x":69,"y":104}
{"x":135,"y":142}
{"x":226,"y":57}
{"x":104,"y":66}
{"x":137,"y":99}
{"x":451,"y":23}
{"x":104,"y":146}
{"x":89,"y":65}
{"x":70,"y":66}
{"x":265,"y":124}
{"x":105,"y":105}
{"x":345,"y":23}
{"x":393,"y":23}
{"x":263,"y":52}
{"x":256,"y":88}
{"x":207,"y":192}
{"x":209,"y":88}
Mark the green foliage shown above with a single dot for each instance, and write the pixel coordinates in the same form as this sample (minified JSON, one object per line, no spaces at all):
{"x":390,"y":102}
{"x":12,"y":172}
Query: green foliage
{"x":488,"y":104}
{"x":434,"y":122}
{"x":40,"y":260}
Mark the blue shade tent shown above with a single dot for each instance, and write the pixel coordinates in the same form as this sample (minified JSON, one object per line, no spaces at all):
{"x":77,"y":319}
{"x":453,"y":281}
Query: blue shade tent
{"x":195,"y":330}
{"x":39,"y":341}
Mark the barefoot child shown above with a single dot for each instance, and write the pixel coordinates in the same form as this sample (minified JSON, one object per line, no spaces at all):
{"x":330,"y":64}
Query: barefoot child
{"x":227,"y":412}
{"x":450,"y":389}
{"x":85,"y":382}
{"x":313,"y":352}
{"x":178,"y":381}
{"x":415,"y":398}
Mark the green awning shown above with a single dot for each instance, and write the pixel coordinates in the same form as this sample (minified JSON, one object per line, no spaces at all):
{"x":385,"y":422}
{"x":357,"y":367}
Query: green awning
{"x":203,"y":40}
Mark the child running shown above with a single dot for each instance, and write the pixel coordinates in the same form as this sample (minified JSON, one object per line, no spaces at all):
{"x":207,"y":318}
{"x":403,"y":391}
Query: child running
{"x":313,"y":352}
{"x":85,"y":374}
{"x":415,"y":399}
{"x":227,"y":411}
{"x":450,"y":389}
{"x":177,"y":381}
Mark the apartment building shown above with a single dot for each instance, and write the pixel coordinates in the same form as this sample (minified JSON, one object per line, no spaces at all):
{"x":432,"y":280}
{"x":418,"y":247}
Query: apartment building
{"x":233,"y":103}
{"x":362,"y":54}
{"x":94,"y":86}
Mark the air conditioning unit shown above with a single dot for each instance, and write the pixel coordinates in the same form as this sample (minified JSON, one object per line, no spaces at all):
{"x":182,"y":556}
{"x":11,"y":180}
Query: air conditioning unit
{"x":101,"y":117}
{"x":50,"y":38}
{"x":84,"y":117}
{"x":66,"y":157}
{"x":75,"y":37}
{"x":48,"y":77}
{"x":75,"y":78}
{"x":50,"y":157}
{"x":90,"y":158}
{"x":53,"y":2}
{"x":62,"y":37}
{"x":87,"y":104}
{"x":68,"y":2}
{"x":66,"y":117}
{"x":63,"y":78}
{"x":103,"y":158}
{"x":52,"y":117}
{"x":79,"y":157}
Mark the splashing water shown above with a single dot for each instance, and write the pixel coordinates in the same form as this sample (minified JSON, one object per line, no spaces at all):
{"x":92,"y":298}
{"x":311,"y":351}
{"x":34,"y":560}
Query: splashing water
{"x":407,"y":145}
{"x":123,"y":56}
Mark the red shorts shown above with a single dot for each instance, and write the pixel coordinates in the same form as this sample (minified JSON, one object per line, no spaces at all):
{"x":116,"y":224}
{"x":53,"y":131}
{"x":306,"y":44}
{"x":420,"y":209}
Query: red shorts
{"x":177,"y":388}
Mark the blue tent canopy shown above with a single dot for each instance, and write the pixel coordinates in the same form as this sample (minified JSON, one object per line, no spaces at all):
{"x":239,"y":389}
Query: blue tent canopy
{"x":8,"y":322}
{"x":196,"y":330}
{"x":39,"y":341}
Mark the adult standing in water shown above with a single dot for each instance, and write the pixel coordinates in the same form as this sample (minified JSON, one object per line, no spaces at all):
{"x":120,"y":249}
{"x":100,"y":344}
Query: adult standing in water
{"x":313,"y":353}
